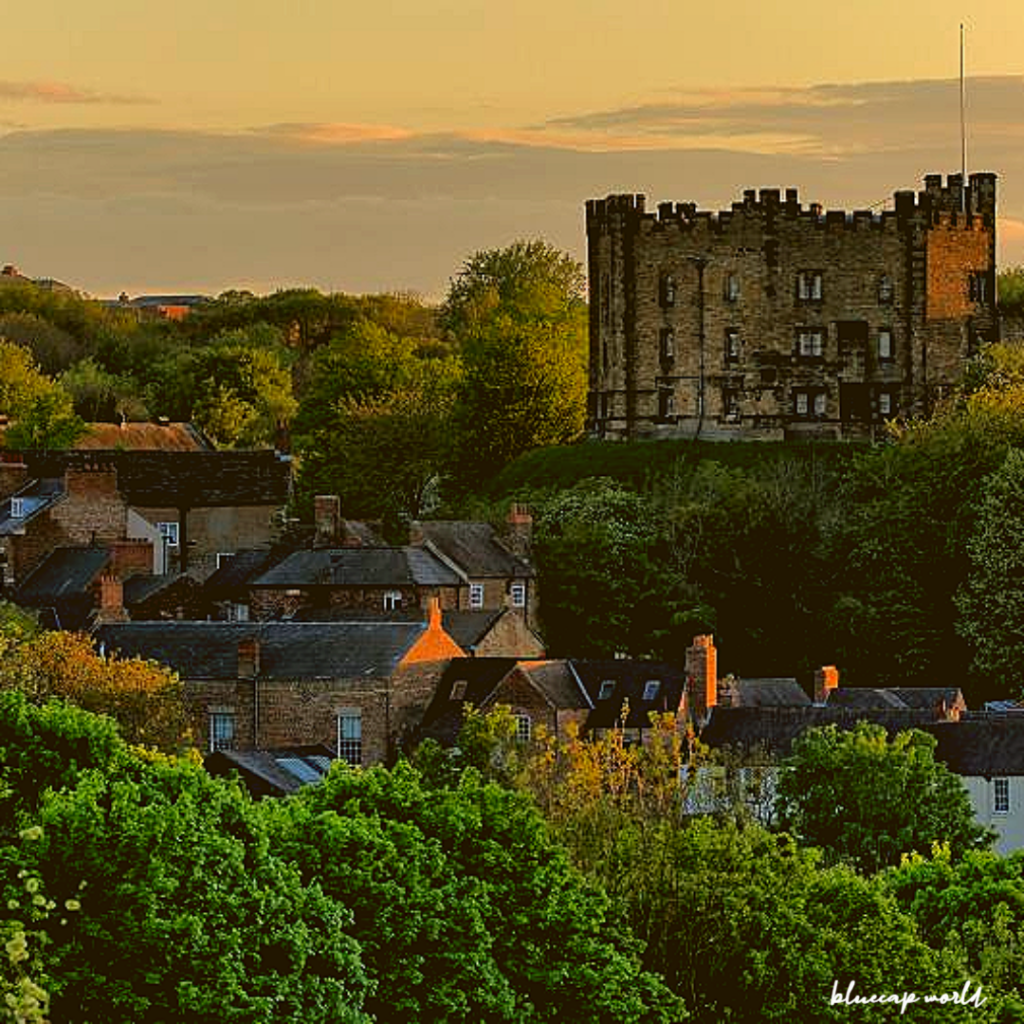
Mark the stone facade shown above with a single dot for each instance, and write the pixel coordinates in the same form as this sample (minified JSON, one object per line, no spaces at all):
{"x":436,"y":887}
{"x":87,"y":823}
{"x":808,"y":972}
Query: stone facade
{"x":775,"y":321}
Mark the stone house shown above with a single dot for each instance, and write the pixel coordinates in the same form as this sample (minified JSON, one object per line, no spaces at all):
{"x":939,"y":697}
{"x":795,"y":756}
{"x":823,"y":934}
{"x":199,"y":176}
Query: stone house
{"x":774,"y":320}
{"x":358,"y":688}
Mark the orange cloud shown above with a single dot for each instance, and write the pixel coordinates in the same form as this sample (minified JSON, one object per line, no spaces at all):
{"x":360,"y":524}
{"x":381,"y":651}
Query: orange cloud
{"x":61,"y":92}
{"x":336,"y":133}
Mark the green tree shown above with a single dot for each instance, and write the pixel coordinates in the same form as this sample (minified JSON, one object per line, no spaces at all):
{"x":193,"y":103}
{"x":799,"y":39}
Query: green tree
{"x":1010,"y":286}
{"x":867,"y":800}
{"x":991,"y":600}
{"x":520,"y":320}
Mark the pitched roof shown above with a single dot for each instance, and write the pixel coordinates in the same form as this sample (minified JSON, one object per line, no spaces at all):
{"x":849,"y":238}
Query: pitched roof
{"x":181,"y":437}
{"x":767,"y":693}
{"x":36,"y":496}
{"x":64,"y":572}
{"x":191,"y":479}
{"x":444,"y":715}
{"x":474,"y":548}
{"x":982,"y":744}
{"x":556,"y":679}
{"x":235,"y":573}
{"x":629,"y":678}
{"x":772,"y":730}
{"x":288,"y":650}
{"x":359,"y":567}
{"x":924,"y":698}
{"x":273,"y":772}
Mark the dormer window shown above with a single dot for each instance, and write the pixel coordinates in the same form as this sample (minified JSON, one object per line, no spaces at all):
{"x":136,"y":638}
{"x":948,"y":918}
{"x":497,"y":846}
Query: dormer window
{"x":17,"y":508}
{"x":459,"y":689}
{"x":392,"y":600}
{"x":607,"y":689}
{"x":651,"y":688}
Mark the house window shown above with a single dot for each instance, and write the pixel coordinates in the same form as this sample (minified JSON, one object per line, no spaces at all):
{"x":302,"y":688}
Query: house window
{"x":607,"y":689}
{"x":518,"y":592}
{"x":885,"y":345}
{"x":885,"y":403}
{"x":459,"y":689}
{"x":392,"y":600}
{"x":820,"y":402}
{"x":222,"y":730}
{"x":732,"y":288}
{"x":668,"y":343}
{"x":168,"y":533}
{"x":476,"y":595}
{"x":800,"y":405}
{"x":238,"y":612}
{"x":223,"y":557}
{"x":810,"y":343}
{"x":732,"y":345}
{"x":884,"y":290}
{"x":808,"y":286}
{"x":651,"y":688}
{"x":524,"y":728}
{"x":350,"y":735}
{"x":17,"y":508}
{"x":1000,"y":796}
{"x":667,"y":290}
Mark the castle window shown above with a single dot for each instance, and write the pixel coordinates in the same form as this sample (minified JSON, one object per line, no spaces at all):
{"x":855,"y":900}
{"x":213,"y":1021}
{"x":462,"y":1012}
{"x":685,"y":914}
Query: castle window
{"x":885,"y":290}
{"x":732,"y":345}
{"x":810,"y":343}
{"x":808,"y":286}
{"x":731,"y":406}
{"x":668,"y":343}
{"x":977,"y":287}
{"x":667,"y":290}
{"x":732,"y":288}
{"x":885,"y":345}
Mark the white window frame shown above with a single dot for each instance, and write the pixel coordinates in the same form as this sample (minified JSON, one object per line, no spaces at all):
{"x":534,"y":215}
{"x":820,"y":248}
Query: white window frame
{"x":801,"y":403}
{"x":651,"y":689}
{"x":884,"y":403}
{"x":809,"y":286}
{"x":392,"y":600}
{"x":524,"y":728}
{"x":811,"y":342}
{"x":223,"y":557}
{"x":732,"y":287}
{"x":820,"y":403}
{"x":518,"y":594}
{"x":17,"y":508}
{"x":668,"y":343}
{"x":221,"y":727}
{"x":238,"y":612}
{"x":170,"y":533}
{"x":732,"y":344}
{"x":1000,"y":796}
{"x":476,"y":595}
{"x":350,"y":735}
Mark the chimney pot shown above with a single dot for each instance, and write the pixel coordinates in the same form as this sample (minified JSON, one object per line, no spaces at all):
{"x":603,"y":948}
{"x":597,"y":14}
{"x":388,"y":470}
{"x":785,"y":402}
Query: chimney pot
{"x":826,"y":679}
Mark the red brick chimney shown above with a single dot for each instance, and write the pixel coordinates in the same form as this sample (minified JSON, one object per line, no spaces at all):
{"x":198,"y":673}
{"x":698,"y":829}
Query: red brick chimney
{"x":702,"y":676}
{"x":248,"y":658}
{"x":826,"y":679}
{"x":327,"y":518}
{"x":111,"y":600}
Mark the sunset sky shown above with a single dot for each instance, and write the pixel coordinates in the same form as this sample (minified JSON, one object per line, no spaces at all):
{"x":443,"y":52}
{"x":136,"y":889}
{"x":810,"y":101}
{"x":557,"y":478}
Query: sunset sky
{"x":369,"y":147}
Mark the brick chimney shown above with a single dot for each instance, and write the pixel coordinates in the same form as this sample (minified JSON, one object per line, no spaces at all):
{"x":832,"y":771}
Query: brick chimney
{"x":519,"y":530}
{"x":13,"y":474}
{"x":327,"y":517}
{"x":111,"y":600}
{"x":248,"y":658}
{"x":826,"y":679}
{"x":701,"y":676}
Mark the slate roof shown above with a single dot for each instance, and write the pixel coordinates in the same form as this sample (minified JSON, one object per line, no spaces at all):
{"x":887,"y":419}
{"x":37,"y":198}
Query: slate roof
{"x":288,"y":650}
{"x":37,"y":496}
{"x":444,"y":715}
{"x":767,"y":693}
{"x":191,"y":479}
{"x":273,"y":772}
{"x":772,"y":730}
{"x":982,"y":744}
{"x":64,"y":572}
{"x":360,"y":567}
{"x":558,"y":682}
{"x":233,"y":577}
{"x":630,"y":678}
{"x":474,"y":548}
{"x":142,"y":586}
{"x":924,"y":698}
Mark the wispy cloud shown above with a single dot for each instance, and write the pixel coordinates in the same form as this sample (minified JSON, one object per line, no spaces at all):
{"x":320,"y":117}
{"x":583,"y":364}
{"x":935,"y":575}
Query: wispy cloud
{"x":62,"y":92}
{"x":334,"y":133}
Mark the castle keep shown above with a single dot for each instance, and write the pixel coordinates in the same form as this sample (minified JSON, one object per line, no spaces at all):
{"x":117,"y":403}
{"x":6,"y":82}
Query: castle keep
{"x":777,"y":320}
